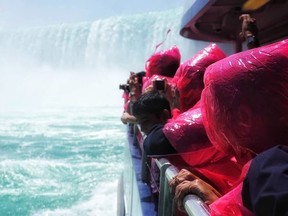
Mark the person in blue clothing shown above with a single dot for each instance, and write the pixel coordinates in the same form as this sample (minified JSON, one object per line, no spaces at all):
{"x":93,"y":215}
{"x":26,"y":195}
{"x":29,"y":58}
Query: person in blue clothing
{"x":265,"y":187}
{"x":152,"y":110}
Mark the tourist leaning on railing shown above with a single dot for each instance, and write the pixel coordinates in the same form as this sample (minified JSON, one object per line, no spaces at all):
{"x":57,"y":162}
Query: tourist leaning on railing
{"x":186,"y":132}
{"x":152,"y":111}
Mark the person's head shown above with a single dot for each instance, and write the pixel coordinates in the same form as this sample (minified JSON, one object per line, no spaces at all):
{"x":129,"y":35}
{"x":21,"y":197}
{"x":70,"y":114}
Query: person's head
{"x":150,"y":109}
{"x":164,"y":62}
{"x":245,"y":100}
{"x":189,"y":76}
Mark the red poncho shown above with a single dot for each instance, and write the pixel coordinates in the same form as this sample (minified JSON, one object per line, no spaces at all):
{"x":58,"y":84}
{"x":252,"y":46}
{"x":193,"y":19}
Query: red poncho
{"x":254,"y":82}
{"x":186,"y":132}
{"x":164,"y":63}
{"x":187,"y":135}
{"x":258,"y":80}
{"x":189,"y":76}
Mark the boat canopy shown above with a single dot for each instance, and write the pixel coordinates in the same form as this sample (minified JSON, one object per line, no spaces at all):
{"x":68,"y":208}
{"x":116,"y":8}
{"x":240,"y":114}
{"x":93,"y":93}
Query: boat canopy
{"x":218,"y":20}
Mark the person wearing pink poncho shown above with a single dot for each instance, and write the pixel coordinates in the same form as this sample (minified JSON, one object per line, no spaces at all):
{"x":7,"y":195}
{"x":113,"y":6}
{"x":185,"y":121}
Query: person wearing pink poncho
{"x":245,"y":112}
{"x":186,"y":131}
{"x":164,"y":62}
{"x":162,"y":65}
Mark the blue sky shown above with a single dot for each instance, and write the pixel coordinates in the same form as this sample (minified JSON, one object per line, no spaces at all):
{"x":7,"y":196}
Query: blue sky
{"x":17,"y":13}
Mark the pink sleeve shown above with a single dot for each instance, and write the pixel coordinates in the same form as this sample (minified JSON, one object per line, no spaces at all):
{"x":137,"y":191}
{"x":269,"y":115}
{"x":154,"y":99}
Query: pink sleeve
{"x":231,"y":203}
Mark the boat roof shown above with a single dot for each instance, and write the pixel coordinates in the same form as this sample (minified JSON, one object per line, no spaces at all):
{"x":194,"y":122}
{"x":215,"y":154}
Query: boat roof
{"x":218,"y":20}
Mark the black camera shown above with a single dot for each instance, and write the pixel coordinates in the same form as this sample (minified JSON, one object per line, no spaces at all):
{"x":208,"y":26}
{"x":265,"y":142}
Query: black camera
{"x":159,"y":84}
{"x":124,"y":87}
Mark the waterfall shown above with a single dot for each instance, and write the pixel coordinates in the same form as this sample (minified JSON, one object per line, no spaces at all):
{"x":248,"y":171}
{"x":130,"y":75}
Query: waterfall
{"x":123,"y":41}
{"x":82,"y":62}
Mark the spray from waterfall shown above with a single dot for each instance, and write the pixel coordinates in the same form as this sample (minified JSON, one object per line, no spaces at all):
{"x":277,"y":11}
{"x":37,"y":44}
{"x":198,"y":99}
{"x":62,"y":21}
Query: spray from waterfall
{"x":81,"y":64}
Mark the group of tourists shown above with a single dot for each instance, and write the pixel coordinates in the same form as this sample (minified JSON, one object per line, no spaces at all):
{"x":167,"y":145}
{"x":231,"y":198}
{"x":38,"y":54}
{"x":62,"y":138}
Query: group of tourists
{"x":222,"y":120}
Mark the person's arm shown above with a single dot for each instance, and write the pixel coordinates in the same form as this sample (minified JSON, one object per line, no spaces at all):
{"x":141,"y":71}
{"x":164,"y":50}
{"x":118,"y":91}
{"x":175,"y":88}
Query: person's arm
{"x":127,"y":118}
{"x":172,"y":94}
{"x":249,"y":31}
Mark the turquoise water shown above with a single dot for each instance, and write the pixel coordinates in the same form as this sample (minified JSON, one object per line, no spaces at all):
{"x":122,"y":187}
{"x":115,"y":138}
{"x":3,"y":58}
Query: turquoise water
{"x":61,"y":161}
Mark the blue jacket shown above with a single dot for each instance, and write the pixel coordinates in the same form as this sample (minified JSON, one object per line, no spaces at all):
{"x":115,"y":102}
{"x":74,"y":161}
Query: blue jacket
{"x":265,"y":188}
{"x":156,"y":143}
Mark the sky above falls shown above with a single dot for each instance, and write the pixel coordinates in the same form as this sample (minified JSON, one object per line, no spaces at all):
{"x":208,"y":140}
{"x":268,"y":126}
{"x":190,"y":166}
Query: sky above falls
{"x":18,"y":13}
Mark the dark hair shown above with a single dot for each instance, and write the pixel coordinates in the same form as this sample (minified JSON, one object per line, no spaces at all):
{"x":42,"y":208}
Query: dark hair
{"x":151,"y":102}
{"x":140,"y":75}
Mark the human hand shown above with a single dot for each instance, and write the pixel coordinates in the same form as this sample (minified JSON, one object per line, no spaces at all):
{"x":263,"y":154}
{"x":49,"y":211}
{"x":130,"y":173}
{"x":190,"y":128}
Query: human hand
{"x":193,"y":185}
{"x":168,"y":93}
{"x":148,"y":88}
{"x":171,"y":93}
{"x":134,"y":86}
{"x":249,"y":27}
{"x":127,"y":118}
{"x":183,"y":175}
{"x":132,"y":81}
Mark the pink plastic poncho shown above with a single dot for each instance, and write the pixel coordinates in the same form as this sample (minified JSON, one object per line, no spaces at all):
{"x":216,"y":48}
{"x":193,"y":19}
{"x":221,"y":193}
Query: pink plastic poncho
{"x":126,"y":98}
{"x":164,"y":63}
{"x":221,"y":170}
{"x":187,"y":135}
{"x":231,"y":204}
{"x":186,"y":132}
{"x":189,"y":76}
{"x":257,"y":79}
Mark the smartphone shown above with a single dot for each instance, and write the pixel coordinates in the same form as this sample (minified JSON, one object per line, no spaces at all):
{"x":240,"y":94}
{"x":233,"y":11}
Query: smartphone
{"x":159,"y":84}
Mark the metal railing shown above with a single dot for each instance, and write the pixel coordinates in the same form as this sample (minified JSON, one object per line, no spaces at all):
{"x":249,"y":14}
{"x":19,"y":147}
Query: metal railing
{"x":193,"y":205}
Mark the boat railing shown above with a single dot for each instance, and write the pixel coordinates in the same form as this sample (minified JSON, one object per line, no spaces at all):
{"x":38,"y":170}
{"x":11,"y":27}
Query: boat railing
{"x":194,"y":205}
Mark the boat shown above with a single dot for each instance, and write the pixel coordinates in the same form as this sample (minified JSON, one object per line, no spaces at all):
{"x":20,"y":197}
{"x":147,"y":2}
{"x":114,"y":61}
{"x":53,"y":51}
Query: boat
{"x":218,"y":20}
{"x":205,"y":20}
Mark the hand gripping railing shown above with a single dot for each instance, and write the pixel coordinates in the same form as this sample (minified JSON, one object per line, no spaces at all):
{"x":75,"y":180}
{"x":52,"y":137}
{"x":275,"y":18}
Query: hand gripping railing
{"x":193,"y":205}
